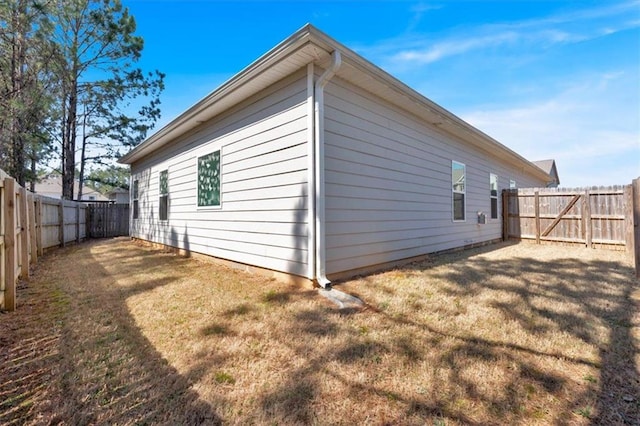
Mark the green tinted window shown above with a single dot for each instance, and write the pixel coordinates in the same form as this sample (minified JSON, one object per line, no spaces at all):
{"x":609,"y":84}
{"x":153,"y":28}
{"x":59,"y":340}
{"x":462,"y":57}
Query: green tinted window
{"x":164,"y":182}
{"x":135,"y":189}
{"x":209,"y":179}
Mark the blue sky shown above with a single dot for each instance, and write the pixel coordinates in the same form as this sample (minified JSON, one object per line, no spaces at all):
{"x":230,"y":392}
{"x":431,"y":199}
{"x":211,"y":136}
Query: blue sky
{"x":549,"y":79}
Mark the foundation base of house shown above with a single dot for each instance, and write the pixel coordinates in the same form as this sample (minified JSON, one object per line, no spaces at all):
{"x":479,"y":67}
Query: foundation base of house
{"x":299,"y":280}
{"x":264,"y":272}
{"x":380,"y":267}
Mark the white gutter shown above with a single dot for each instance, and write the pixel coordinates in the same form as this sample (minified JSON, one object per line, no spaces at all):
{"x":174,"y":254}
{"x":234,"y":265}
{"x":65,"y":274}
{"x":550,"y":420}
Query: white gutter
{"x":318,"y":175}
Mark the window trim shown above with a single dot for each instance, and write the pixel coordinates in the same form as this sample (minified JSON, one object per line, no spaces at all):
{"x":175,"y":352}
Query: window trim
{"x":135,"y":197}
{"x":463,"y":192}
{"x":494,"y":197}
{"x":198,"y":157}
{"x":162,"y":195}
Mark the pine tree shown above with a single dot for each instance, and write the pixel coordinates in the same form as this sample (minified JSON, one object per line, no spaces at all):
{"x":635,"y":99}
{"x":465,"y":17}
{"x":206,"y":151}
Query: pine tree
{"x":97,"y":49}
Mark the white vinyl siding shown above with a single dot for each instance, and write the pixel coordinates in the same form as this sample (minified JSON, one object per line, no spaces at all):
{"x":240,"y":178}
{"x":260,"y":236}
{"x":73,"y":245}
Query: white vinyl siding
{"x":263,"y":194}
{"x":389,"y":185}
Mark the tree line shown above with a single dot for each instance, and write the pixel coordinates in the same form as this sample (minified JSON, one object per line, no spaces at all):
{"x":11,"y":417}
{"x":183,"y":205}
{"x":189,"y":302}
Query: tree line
{"x":70,"y":87}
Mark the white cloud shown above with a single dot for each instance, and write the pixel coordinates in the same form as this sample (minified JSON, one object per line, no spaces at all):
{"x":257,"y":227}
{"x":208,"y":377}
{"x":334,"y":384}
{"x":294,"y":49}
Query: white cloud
{"x":534,"y":85}
{"x":418,"y":11}
{"x":453,"y":47}
{"x":591,"y":129}
{"x":412,"y":49}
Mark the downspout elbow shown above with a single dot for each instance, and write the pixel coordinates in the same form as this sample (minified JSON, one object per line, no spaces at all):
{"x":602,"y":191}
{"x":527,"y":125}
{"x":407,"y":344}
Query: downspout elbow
{"x":336,"y":63}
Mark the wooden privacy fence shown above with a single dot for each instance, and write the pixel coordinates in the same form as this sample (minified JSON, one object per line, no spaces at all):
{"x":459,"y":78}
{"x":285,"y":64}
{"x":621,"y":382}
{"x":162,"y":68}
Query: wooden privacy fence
{"x":107,"y":220}
{"x":29,"y":224}
{"x":598,"y":217}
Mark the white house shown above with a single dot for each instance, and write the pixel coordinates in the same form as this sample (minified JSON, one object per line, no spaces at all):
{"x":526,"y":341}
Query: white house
{"x":118,"y":196}
{"x":314,"y":162}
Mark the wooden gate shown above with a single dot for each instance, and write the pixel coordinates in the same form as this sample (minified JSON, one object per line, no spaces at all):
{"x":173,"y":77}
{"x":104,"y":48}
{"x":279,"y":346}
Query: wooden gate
{"x":107,"y":220}
{"x":594,"y":217}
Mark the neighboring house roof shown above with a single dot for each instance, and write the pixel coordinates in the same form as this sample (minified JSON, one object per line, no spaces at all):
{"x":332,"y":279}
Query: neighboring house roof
{"x":51,"y":186}
{"x":311,"y":45}
{"x":549,"y":167}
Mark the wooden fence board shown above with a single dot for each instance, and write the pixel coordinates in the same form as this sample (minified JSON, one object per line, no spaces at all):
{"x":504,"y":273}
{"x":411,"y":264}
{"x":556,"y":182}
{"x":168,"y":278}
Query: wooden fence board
{"x":636,"y":224}
{"x":24,"y":234}
{"x":33,"y":252}
{"x":30,"y":223}
{"x":9,"y":207}
{"x":597,"y":216}
{"x":2,"y":242}
{"x":108,"y":220}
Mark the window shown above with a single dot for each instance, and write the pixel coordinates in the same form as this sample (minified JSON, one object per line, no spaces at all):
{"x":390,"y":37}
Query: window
{"x":512,"y":184}
{"x":458,"y":185}
{"x":163,"y":185}
{"x":493,"y":195}
{"x":135,"y":199}
{"x":209,"y":180}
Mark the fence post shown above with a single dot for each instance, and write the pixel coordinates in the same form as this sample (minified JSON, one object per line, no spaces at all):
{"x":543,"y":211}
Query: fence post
{"x":505,"y":215}
{"x":10,"y":244}
{"x":33,"y":244}
{"x":39,"y":227}
{"x":536,"y":197}
{"x":586,"y":214}
{"x":636,"y":224}
{"x":24,"y":234}
{"x":627,"y":201}
{"x":88,"y":220}
{"x":61,"y":222}
{"x":77,"y":223}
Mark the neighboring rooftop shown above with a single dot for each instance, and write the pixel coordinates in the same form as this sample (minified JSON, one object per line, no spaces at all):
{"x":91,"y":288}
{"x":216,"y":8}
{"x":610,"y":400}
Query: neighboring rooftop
{"x":51,"y":186}
{"x":549,"y":167}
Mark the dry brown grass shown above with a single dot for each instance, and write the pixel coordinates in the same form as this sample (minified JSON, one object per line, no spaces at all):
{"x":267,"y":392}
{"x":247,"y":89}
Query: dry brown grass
{"x":113,"y":332}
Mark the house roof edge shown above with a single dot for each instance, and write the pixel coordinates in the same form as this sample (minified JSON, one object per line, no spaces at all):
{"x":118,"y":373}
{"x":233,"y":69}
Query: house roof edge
{"x":181,"y":122}
{"x":310,"y":34}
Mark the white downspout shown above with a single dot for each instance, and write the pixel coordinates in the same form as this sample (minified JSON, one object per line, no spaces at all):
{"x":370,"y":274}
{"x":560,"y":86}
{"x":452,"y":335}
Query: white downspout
{"x":311,"y":176}
{"x":319,"y":231}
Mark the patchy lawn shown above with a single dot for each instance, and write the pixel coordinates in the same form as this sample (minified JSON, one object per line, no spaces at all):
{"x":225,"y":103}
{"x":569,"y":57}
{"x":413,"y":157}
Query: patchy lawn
{"x":113,"y":332}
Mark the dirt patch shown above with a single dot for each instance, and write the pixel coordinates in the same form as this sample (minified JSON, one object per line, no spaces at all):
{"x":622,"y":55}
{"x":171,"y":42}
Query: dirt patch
{"x":114,"y":332}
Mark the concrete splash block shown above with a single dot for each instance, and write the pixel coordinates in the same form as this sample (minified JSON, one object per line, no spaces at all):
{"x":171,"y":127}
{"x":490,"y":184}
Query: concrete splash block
{"x":342,"y":299}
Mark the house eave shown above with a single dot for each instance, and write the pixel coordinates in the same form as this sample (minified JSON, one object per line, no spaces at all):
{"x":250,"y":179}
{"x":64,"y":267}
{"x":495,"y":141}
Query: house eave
{"x":309,"y":44}
{"x":229,"y":91}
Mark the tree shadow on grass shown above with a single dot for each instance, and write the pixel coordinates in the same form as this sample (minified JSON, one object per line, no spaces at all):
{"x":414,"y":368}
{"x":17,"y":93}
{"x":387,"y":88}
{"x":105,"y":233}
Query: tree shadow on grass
{"x":574,"y":296}
{"x":582,"y":295}
{"x":103,"y":370}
